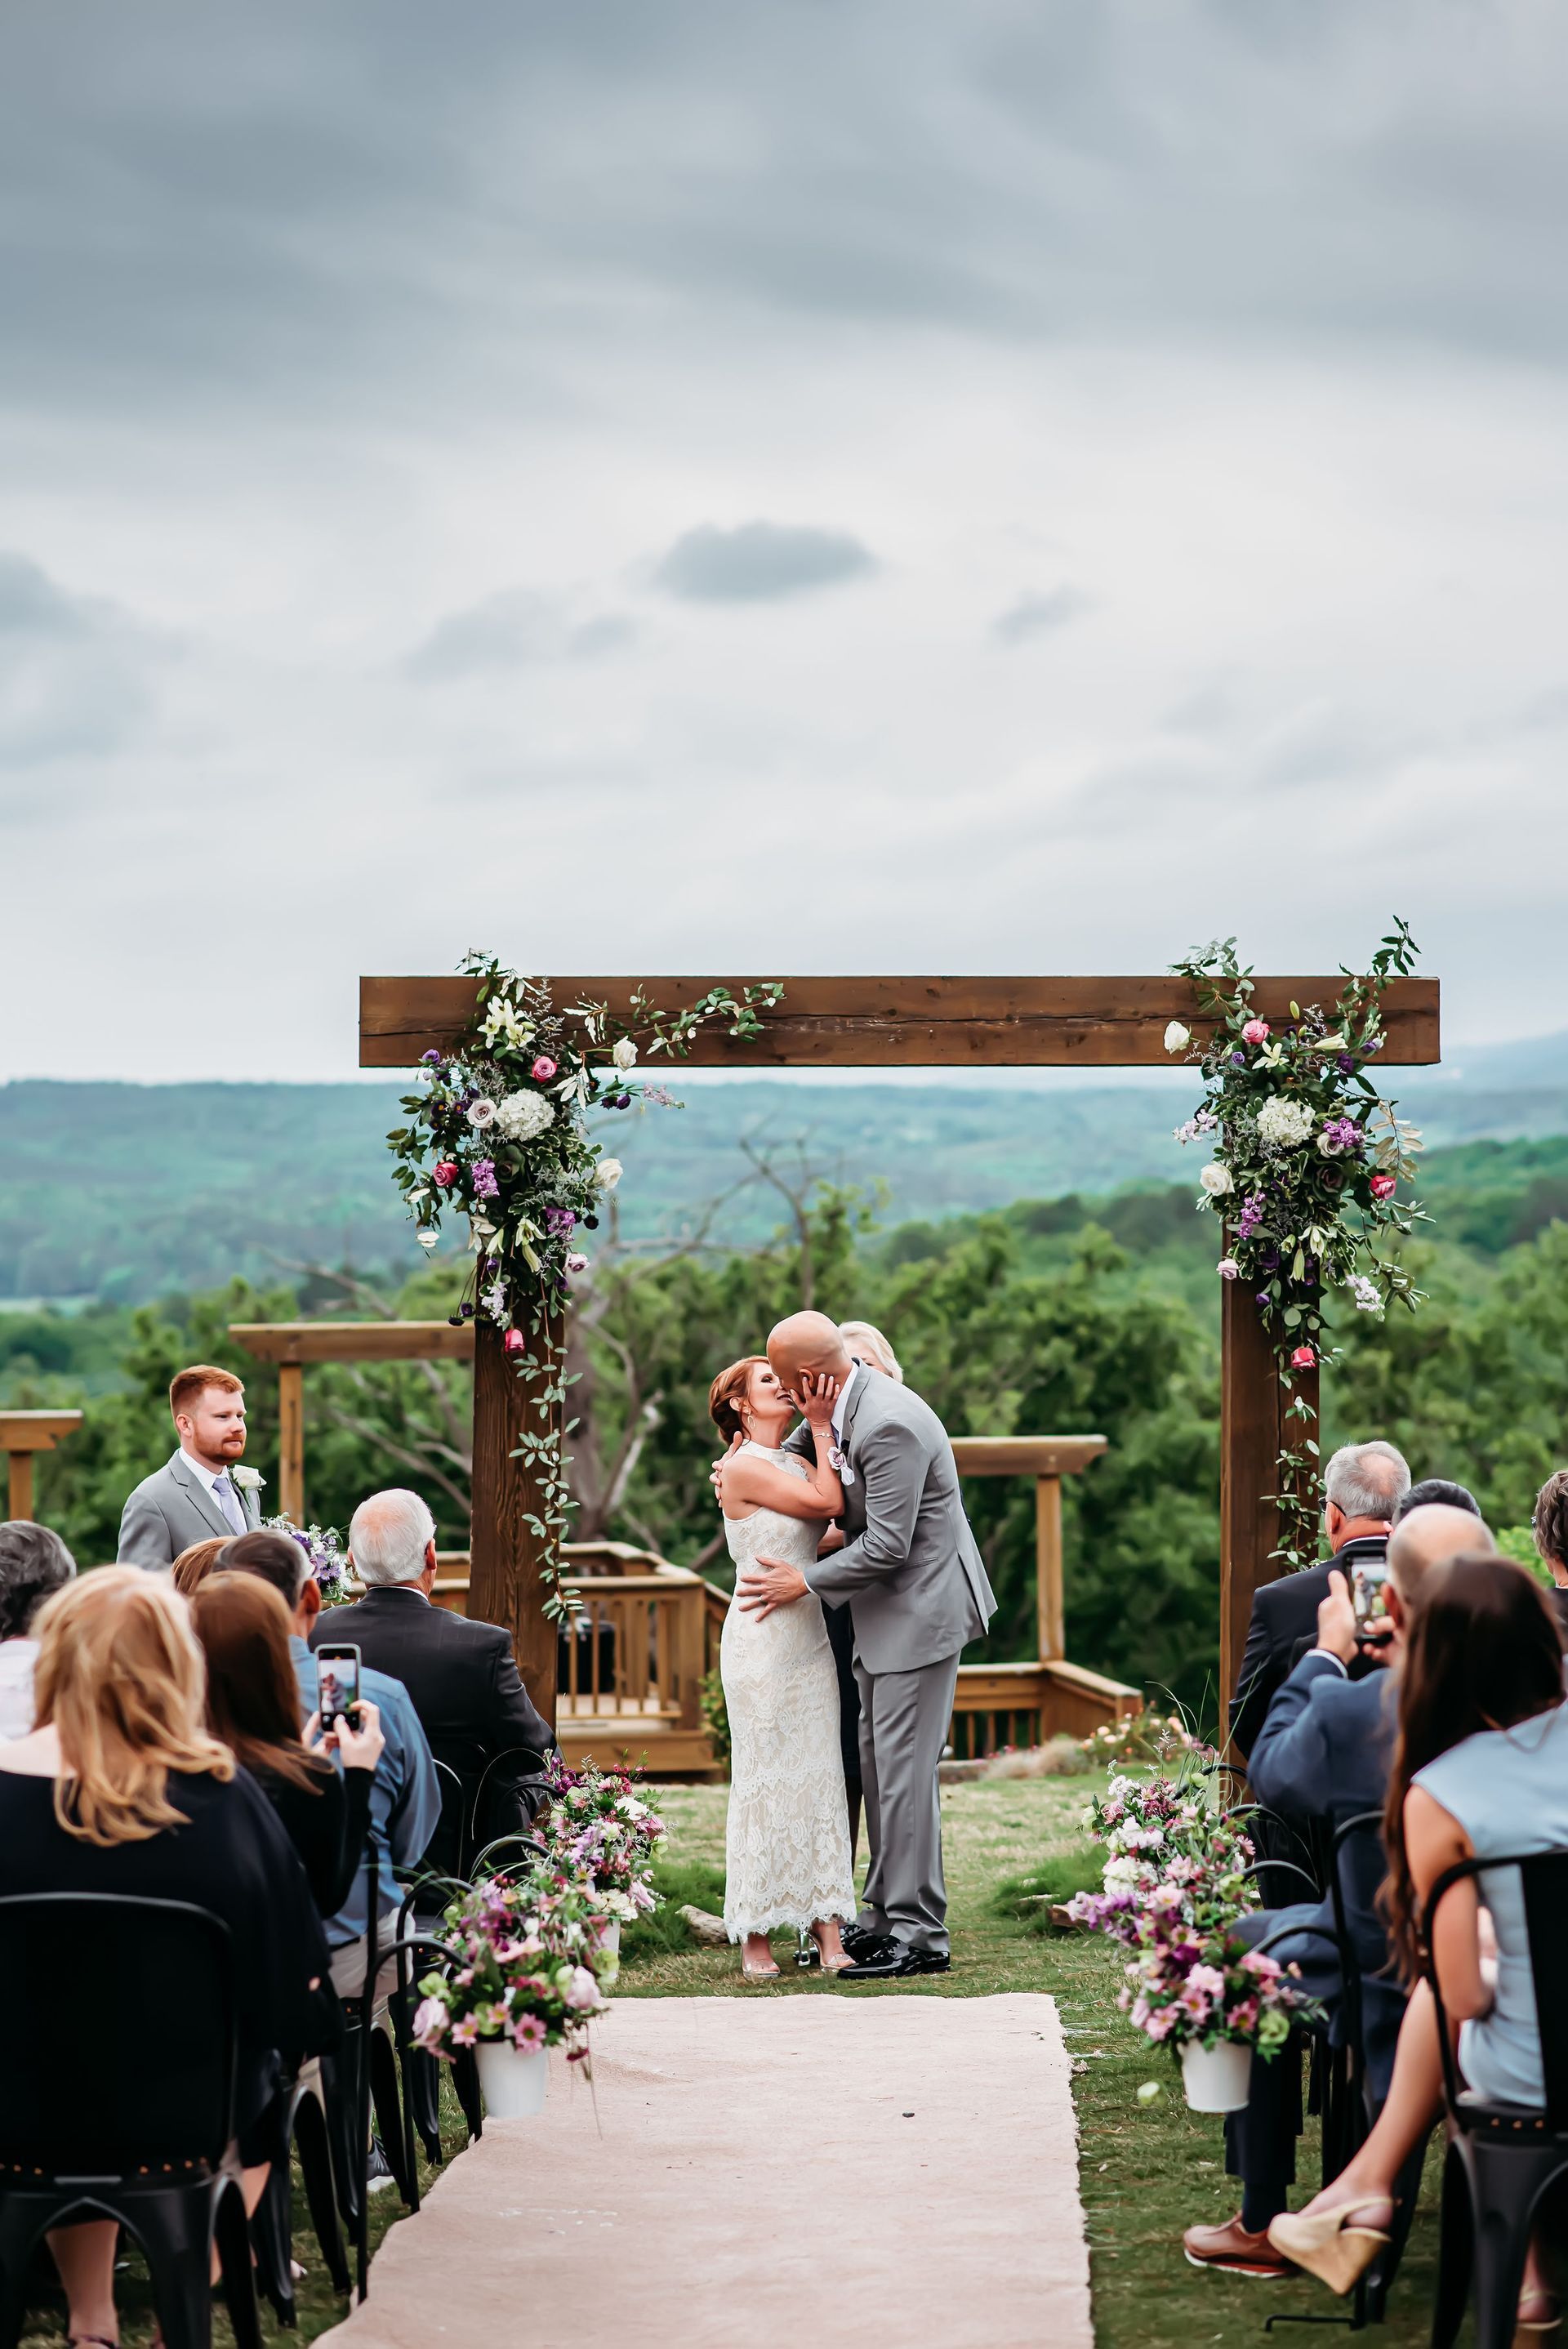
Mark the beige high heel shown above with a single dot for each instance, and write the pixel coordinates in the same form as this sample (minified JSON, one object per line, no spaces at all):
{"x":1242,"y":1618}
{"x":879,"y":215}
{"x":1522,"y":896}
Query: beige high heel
{"x":1329,"y":2245}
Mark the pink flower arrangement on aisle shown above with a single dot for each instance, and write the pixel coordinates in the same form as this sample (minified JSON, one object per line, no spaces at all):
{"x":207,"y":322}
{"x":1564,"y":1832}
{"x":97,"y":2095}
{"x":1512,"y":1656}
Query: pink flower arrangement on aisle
{"x":519,"y":1966}
{"x":1173,"y":1885}
{"x":600,"y":1831}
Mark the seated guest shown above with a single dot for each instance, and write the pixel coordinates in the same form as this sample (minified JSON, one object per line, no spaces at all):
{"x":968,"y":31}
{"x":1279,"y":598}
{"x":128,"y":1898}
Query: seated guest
{"x":1481,"y":1769}
{"x":194,"y":1494}
{"x":1436,"y":1492}
{"x":252,"y":1704}
{"x":405,"y":1799}
{"x":1326,"y":1752}
{"x":461,"y":1676}
{"x":1362,"y":1486}
{"x":191,"y":1568}
{"x":1550,"y":1527}
{"x":121,"y":1788}
{"x":34,"y":1564}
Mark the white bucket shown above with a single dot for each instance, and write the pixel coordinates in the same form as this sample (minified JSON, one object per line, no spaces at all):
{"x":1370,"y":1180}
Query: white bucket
{"x":513,"y":2079}
{"x":1216,"y":2078}
{"x":610,"y":1939}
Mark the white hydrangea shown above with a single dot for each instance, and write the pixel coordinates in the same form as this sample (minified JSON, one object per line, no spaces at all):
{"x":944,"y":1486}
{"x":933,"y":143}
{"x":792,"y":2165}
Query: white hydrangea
{"x":1285,"y":1123}
{"x":522,"y":1117}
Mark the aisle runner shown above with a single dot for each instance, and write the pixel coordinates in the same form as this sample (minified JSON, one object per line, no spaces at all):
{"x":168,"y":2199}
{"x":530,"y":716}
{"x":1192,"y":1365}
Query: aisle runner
{"x":830,"y":2168}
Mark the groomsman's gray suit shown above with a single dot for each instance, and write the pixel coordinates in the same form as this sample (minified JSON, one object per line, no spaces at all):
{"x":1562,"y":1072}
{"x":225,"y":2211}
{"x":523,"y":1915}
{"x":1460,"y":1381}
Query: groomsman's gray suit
{"x":916,"y":1585}
{"x":169,"y":1510}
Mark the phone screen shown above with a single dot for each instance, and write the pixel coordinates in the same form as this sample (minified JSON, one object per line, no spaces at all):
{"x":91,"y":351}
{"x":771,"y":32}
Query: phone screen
{"x":337,"y":1683}
{"x":1369,"y":1598}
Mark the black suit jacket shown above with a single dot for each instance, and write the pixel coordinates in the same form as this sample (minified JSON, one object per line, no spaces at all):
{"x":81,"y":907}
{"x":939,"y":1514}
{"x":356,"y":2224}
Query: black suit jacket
{"x":465,"y":1686}
{"x":1283,"y":1626}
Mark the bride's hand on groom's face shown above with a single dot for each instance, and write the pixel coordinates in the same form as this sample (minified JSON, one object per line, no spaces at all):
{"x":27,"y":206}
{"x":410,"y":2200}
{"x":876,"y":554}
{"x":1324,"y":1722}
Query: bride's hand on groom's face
{"x":771,"y":1582}
{"x":814,"y":1397}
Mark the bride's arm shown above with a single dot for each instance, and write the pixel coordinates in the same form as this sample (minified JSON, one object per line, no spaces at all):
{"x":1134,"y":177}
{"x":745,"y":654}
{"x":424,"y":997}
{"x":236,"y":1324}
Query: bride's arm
{"x":758,"y":1485}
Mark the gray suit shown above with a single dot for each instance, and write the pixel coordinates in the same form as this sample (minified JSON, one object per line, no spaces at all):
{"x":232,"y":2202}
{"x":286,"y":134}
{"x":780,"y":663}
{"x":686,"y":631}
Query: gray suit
{"x":169,"y":1510}
{"x":917,"y":1592}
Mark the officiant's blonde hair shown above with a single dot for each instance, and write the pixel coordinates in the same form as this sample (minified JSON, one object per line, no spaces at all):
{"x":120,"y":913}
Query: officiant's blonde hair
{"x":728,"y":1392}
{"x":866,"y":1334}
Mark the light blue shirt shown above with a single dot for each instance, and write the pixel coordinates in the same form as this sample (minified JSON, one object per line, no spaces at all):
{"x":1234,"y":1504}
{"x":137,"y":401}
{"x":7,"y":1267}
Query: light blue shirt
{"x":405,"y":1796}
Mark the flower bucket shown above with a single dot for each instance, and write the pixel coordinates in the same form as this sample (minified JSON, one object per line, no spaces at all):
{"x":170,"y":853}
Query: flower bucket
{"x":513,"y":2082}
{"x":610,"y":1937}
{"x":1216,"y":2078}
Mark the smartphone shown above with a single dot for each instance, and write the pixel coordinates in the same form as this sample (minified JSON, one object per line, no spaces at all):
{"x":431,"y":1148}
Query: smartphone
{"x":1369,"y":1599}
{"x":338,"y":1685}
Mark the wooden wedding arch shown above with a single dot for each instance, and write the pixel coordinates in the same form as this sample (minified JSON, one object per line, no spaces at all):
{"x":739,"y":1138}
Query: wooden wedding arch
{"x":906,"y":1023}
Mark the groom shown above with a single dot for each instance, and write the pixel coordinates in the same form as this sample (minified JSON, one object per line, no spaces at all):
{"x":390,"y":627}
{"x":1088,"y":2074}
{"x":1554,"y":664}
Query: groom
{"x":917,"y":1591}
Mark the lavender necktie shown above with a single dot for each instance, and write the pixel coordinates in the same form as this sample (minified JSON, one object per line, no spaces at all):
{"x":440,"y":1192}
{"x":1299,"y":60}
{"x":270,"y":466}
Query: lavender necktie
{"x":228,"y":1500}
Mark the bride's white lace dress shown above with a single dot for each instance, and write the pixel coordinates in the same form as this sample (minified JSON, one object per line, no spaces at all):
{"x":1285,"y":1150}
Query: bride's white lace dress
{"x":787,"y":1842}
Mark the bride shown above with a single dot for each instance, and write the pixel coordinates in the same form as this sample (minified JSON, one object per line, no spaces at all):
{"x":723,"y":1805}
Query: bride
{"x":787,"y":1840}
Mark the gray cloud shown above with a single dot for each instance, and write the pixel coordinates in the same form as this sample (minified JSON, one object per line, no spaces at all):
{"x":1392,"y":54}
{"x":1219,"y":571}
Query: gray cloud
{"x":759,"y":563}
{"x":1038,"y":615}
{"x":515,"y":629}
{"x":73,"y":680}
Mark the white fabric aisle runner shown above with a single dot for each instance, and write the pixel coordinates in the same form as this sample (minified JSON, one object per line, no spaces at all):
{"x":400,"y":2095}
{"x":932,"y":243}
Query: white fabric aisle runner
{"x":834,"y":2166}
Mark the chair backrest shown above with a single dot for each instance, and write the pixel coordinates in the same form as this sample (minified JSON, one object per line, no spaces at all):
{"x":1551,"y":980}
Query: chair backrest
{"x":448,"y":1848}
{"x":498,"y":1806}
{"x":1359,"y":1866}
{"x":122,"y":2049}
{"x":1543,"y":1878}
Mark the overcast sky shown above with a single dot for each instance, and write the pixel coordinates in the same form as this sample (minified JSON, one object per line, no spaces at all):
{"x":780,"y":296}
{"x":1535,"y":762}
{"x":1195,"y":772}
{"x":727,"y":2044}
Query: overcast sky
{"x":876,"y":485}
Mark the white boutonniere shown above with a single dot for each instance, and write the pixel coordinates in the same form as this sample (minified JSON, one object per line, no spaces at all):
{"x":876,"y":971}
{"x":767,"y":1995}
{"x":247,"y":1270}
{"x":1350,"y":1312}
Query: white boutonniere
{"x":247,"y":1480}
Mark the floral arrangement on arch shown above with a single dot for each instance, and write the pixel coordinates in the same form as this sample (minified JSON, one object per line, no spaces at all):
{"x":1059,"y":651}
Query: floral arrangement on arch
{"x":523,"y":1964}
{"x":323,"y":1546}
{"x":1173,"y":1885}
{"x":600,"y":1831}
{"x":1306,"y":1165}
{"x":499,"y":1141}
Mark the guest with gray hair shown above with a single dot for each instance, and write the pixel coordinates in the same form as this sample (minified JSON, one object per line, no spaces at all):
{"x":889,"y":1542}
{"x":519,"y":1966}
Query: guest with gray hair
{"x":461,"y":1676}
{"x":1362,"y":1487}
{"x":34,"y":1564}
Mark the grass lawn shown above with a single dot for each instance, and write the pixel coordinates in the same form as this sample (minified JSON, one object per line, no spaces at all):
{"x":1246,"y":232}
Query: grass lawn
{"x":1148,"y":2170}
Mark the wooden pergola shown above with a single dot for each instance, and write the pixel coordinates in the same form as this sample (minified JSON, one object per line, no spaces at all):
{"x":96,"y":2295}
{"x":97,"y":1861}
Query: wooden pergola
{"x":922,"y":1023}
{"x":24,"y":1434}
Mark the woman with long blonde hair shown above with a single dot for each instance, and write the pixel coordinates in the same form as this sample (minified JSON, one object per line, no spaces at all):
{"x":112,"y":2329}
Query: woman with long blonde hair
{"x":121,"y":1788}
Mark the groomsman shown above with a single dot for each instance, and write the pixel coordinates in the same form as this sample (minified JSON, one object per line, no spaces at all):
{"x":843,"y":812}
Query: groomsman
{"x":198,"y":1493}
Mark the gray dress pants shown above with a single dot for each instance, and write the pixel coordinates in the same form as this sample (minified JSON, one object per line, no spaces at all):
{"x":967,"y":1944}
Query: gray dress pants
{"x":903,"y":1727}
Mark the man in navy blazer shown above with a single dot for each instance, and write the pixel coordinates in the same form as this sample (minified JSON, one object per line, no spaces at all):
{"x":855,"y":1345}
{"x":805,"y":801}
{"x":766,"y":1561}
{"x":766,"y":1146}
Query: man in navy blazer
{"x":1324,"y":1751}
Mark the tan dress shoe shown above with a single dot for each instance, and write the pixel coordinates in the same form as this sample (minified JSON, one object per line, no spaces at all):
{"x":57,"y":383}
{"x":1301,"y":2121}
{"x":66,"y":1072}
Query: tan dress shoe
{"x":1233,"y":2249}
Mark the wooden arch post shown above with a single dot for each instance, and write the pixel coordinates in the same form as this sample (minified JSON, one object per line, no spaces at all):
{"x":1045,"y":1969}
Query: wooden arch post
{"x":905,"y":1023}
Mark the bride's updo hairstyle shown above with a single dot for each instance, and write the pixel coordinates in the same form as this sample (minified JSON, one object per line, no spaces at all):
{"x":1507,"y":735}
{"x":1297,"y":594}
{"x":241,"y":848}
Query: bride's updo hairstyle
{"x":727,"y":1393}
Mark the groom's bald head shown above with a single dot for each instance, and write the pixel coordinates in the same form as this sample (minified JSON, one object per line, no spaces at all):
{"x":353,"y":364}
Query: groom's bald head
{"x":807,"y":1341}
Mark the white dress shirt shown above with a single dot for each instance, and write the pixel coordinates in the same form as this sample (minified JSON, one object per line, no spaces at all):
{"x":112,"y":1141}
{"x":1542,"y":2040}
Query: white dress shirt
{"x":856,"y":1370}
{"x":209,"y":1477}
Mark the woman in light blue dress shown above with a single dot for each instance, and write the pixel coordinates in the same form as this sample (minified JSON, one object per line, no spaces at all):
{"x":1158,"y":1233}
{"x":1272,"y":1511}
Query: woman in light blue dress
{"x":1480,"y":1769}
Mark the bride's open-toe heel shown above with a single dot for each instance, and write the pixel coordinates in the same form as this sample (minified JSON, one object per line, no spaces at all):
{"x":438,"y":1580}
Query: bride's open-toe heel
{"x":758,"y":1973}
{"x":830,"y":1965}
{"x":1337,"y":2246}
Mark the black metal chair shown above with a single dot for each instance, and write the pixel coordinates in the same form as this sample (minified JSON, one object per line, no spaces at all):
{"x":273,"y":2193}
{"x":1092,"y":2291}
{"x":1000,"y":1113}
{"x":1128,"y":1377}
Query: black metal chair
{"x":306,"y":2133}
{"x":521,"y":1840}
{"x":451,"y":1833}
{"x":421,"y":2077}
{"x":390,"y":2124}
{"x":1504,"y":2160}
{"x":133,"y":2120}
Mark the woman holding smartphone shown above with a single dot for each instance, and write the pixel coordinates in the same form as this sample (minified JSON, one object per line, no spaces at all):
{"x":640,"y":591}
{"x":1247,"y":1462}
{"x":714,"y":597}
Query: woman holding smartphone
{"x":252,"y":1705}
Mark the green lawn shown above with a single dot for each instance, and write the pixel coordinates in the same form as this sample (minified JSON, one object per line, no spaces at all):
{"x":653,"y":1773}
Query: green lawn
{"x":1148,"y":2170}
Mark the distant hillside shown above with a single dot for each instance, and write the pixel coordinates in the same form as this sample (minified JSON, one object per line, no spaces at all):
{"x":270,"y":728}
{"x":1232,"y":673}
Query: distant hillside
{"x":125,"y":1191}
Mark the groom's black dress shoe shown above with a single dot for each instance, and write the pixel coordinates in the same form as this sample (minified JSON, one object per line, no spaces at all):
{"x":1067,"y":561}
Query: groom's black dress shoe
{"x":860,"y":1941}
{"x":896,"y":1962}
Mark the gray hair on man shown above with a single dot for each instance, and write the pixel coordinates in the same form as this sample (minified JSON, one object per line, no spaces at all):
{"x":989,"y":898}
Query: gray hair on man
{"x":389,"y":1535}
{"x":1365,"y":1480}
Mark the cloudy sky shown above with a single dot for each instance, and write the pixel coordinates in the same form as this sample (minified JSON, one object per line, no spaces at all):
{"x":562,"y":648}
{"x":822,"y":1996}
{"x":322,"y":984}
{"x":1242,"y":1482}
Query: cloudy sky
{"x":891,"y":484}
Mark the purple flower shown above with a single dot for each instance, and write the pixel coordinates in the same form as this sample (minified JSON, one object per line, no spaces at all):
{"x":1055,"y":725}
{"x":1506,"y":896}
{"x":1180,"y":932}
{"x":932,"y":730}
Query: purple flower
{"x":1238,"y":1060}
{"x":1347,"y":1064}
{"x":431,"y":1059}
{"x":560,"y":1222}
{"x":485,"y":1184}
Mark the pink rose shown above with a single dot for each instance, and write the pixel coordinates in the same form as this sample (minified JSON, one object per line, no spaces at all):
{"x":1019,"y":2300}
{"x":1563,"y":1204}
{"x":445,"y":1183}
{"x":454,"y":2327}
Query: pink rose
{"x":1227,"y":1268}
{"x":514,"y":1342}
{"x":1303,"y":1359}
{"x":1256,"y":1032}
{"x":445,"y":1173}
{"x":1384,"y":1186}
{"x":543,"y":1070}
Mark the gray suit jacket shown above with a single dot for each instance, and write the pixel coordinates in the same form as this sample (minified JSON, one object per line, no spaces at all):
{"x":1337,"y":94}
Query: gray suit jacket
{"x":169,"y":1510}
{"x":910,"y":1569}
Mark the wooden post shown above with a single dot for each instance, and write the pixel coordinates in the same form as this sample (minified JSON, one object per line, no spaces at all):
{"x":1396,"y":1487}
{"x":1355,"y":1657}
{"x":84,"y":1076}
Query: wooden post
{"x":21,"y":1502}
{"x":1048,"y":1569}
{"x":504,"y":1584}
{"x":291,"y":1441}
{"x":1254,"y":1431}
{"x":22,"y":1433}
